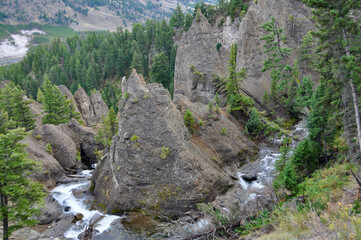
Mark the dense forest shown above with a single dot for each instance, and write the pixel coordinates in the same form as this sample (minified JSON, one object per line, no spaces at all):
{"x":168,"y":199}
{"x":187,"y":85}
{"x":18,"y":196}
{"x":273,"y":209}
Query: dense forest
{"x":99,"y":60}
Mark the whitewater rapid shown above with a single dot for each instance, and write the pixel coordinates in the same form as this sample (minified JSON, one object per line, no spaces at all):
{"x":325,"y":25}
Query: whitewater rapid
{"x":64,"y":194}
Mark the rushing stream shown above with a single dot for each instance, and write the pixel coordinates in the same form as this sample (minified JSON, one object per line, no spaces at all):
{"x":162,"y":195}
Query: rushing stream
{"x":65,"y":195}
{"x":247,"y":192}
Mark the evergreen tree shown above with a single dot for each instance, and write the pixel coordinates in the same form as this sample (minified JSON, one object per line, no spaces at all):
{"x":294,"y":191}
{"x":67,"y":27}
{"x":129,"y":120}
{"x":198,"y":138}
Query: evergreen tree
{"x":54,"y":104}
{"x":21,"y":112}
{"x":177,"y":19}
{"x":18,"y":194}
{"x":159,"y":71}
{"x":340,"y":37}
{"x":283,"y":73}
{"x":109,"y":129}
{"x":39,"y":96}
{"x":189,"y":121}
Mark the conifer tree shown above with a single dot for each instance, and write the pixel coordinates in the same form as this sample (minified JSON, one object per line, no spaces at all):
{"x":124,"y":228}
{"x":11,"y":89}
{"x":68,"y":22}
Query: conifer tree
{"x":21,"y":112}
{"x":340,"y":37}
{"x":189,"y":121}
{"x":159,"y":71}
{"x":55,"y":105}
{"x":282,"y":72}
{"x":18,"y":194}
{"x":109,"y":129}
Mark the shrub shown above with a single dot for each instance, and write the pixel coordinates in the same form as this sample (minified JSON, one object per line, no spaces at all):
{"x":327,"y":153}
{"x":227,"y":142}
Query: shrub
{"x":189,"y":121}
{"x":218,"y":46}
{"x":49,"y":149}
{"x":201,"y":123}
{"x":224,"y":131}
{"x":134,"y":140}
{"x":165,"y":152}
{"x":254,"y":125}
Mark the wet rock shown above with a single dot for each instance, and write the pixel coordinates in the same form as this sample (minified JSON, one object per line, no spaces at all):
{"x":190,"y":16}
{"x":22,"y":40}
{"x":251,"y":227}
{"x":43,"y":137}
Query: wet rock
{"x":250,"y":177}
{"x":116,"y":231}
{"x":64,"y":149}
{"x":95,"y":219}
{"x":67,"y":209}
{"x":134,"y":175}
{"x":50,"y":212}
{"x":79,"y":217}
{"x":58,"y":228}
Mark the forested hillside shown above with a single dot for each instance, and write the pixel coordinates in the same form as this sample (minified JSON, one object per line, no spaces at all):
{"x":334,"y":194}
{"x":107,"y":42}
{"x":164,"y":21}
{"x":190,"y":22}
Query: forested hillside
{"x":89,"y":15}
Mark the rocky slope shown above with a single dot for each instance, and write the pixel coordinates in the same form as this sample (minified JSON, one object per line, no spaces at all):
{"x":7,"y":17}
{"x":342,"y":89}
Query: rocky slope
{"x":136,"y":175}
{"x":68,"y":141}
{"x":198,"y":47}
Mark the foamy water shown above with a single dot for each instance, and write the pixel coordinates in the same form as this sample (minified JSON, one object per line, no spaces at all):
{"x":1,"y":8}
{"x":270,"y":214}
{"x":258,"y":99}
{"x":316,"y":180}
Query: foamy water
{"x":64,"y":194}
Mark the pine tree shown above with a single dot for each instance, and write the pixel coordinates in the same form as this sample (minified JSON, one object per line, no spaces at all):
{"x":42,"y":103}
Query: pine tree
{"x":159,"y":71}
{"x":109,"y":129}
{"x":22,"y":114}
{"x":39,"y":96}
{"x":282,"y":72}
{"x":340,"y":37}
{"x":18,"y":194}
{"x":54,"y":104}
{"x":189,"y":121}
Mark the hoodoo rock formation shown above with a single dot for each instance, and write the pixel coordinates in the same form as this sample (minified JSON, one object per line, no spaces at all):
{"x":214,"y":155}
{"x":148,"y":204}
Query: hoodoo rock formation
{"x":197,"y":47}
{"x":153,"y":164}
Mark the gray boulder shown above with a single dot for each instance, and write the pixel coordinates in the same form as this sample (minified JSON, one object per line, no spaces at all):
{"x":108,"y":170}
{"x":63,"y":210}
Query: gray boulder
{"x":51,"y":171}
{"x":136,"y":175}
{"x":83,"y":137}
{"x":50,"y":212}
{"x":65,"y":91}
{"x":64,"y":149}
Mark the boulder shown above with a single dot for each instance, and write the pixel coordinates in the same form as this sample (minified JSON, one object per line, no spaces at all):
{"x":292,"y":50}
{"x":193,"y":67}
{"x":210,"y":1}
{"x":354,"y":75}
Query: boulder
{"x":51,"y":171}
{"x":50,"y":212}
{"x":83,"y":137}
{"x":92,"y":109}
{"x":79,"y":217}
{"x":249,"y":177}
{"x":25,"y":234}
{"x":64,"y":149}
{"x":136,"y":175}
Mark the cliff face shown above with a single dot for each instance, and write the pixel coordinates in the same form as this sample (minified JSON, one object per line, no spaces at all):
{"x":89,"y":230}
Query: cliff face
{"x":154,"y":164}
{"x":198,"y":47}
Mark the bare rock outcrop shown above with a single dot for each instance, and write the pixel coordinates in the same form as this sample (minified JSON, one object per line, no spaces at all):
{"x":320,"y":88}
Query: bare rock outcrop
{"x":65,"y":91}
{"x":51,"y":171}
{"x":153,"y":165}
{"x":218,"y":134}
{"x":92,"y":108}
{"x":63,"y":147}
{"x":198,"y":47}
{"x":83,"y":137}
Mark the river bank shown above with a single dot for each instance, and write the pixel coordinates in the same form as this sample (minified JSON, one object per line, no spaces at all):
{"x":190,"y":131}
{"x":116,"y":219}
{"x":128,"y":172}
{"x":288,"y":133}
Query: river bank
{"x":15,"y":47}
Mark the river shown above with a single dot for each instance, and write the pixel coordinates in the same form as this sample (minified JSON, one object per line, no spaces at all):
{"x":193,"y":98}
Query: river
{"x":245,"y":192}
